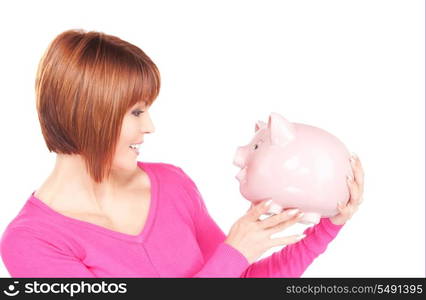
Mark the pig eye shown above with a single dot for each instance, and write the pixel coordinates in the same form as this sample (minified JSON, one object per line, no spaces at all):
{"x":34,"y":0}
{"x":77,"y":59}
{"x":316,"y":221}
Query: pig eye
{"x":259,"y":142}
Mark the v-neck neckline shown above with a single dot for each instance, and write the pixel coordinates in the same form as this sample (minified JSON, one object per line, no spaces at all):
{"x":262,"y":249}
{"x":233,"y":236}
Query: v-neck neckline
{"x":140,"y":237}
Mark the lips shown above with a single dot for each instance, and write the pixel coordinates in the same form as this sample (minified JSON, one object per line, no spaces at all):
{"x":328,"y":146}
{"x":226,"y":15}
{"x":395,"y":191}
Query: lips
{"x":135,"y":150}
{"x":135,"y":146}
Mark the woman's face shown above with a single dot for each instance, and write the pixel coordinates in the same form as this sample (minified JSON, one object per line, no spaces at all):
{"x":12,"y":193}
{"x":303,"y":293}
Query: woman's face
{"x":135,"y":124}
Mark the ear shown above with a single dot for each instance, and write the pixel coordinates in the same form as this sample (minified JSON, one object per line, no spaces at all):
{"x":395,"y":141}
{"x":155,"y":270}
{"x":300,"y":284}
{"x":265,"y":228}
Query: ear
{"x":259,"y":125}
{"x":281,"y":131}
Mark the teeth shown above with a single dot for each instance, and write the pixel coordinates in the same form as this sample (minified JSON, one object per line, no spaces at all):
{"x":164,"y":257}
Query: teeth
{"x":135,"y":146}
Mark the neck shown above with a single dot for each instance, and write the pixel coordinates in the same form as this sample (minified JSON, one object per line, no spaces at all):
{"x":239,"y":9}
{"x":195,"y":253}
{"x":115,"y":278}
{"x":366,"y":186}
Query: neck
{"x":78,"y":191}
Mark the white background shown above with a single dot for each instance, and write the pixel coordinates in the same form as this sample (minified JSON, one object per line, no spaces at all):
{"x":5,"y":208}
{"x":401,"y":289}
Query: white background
{"x":353,"y":68}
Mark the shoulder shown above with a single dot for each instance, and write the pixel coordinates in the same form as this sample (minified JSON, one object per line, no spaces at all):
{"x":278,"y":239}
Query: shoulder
{"x":30,"y":252}
{"x":175,"y":179}
{"x":167,"y":171}
{"x":17,"y":241}
{"x":31,"y":228}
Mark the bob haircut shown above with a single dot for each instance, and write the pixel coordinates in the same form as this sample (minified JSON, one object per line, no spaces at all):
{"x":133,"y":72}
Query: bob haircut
{"x":85,"y":83}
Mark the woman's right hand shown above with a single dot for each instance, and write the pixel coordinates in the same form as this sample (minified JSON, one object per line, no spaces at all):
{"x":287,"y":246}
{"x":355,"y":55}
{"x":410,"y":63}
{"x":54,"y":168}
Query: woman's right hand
{"x":251,"y":236}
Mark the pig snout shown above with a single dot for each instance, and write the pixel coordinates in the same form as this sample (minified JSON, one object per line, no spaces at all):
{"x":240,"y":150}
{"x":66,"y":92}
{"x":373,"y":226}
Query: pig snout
{"x":240,"y":161}
{"x":239,"y":158}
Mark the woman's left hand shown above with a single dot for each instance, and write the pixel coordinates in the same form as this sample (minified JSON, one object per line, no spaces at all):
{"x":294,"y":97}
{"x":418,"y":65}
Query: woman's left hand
{"x":356,"y":189}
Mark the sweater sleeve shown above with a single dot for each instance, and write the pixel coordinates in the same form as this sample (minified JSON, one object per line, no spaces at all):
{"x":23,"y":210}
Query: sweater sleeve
{"x":27,"y":254}
{"x":294,"y":259}
{"x":223,"y":260}
{"x":220,"y":258}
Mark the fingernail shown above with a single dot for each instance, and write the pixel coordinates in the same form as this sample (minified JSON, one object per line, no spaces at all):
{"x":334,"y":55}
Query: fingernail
{"x":292,"y":212}
{"x":300,"y":214}
{"x":268,"y":202}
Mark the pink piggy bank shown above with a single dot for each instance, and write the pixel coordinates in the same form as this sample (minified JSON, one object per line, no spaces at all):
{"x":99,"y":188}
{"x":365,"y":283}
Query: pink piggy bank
{"x":296,"y":166}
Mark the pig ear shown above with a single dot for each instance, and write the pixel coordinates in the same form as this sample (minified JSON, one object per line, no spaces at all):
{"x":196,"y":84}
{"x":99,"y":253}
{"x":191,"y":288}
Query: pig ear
{"x":281,"y":131}
{"x":259,"y":125}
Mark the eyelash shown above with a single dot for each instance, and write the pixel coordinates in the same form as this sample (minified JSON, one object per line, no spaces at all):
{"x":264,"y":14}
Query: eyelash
{"x":139,"y":111}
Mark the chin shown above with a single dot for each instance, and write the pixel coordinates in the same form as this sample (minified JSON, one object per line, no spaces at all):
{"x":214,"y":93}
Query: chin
{"x":126,"y":165}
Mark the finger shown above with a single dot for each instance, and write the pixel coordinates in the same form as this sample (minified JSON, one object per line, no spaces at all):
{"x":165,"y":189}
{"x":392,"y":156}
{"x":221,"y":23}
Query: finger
{"x":353,"y":191}
{"x":341,"y":206}
{"x":287,"y":240}
{"x":344,"y":213}
{"x":257,"y":210}
{"x":278,"y":218}
{"x":344,"y":209}
{"x":285,"y":224}
{"x":357,"y":170}
{"x":356,"y":195}
{"x":356,"y":186}
{"x":349,"y":208}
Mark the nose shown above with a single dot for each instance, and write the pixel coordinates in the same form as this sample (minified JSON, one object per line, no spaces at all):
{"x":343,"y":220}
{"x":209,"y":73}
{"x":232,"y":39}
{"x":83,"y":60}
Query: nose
{"x":239,"y":160}
{"x":148,"y":126}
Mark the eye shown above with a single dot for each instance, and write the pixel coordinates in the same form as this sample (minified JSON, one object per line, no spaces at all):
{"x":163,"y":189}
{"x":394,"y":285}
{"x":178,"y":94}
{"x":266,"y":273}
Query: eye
{"x":255,"y":146}
{"x":137,"y":112}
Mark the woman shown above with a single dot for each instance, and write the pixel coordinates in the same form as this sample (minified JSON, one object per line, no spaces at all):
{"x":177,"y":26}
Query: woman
{"x":102,"y":213}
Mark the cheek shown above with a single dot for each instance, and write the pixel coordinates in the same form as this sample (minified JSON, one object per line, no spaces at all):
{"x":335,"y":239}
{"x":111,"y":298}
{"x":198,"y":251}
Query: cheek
{"x":126,"y":133}
{"x":122,"y":146}
{"x":255,"y":158}
{"x":260,"y":165}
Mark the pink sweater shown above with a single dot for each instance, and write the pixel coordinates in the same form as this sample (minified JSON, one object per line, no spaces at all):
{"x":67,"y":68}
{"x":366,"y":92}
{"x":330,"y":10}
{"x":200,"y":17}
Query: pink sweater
{"x":179,"y":239}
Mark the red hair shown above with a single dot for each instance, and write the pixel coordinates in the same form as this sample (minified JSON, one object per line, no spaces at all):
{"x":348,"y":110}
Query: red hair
{"x":85,"y":83}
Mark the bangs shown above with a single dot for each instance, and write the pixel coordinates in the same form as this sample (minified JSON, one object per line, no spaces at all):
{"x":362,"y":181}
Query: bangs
{"x":144,"y":83}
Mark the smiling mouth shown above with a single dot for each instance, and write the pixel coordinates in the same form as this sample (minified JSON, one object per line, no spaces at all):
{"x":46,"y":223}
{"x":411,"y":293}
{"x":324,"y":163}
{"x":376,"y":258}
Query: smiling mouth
{"x":134,"y":150}
{"x":135,"y":147}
